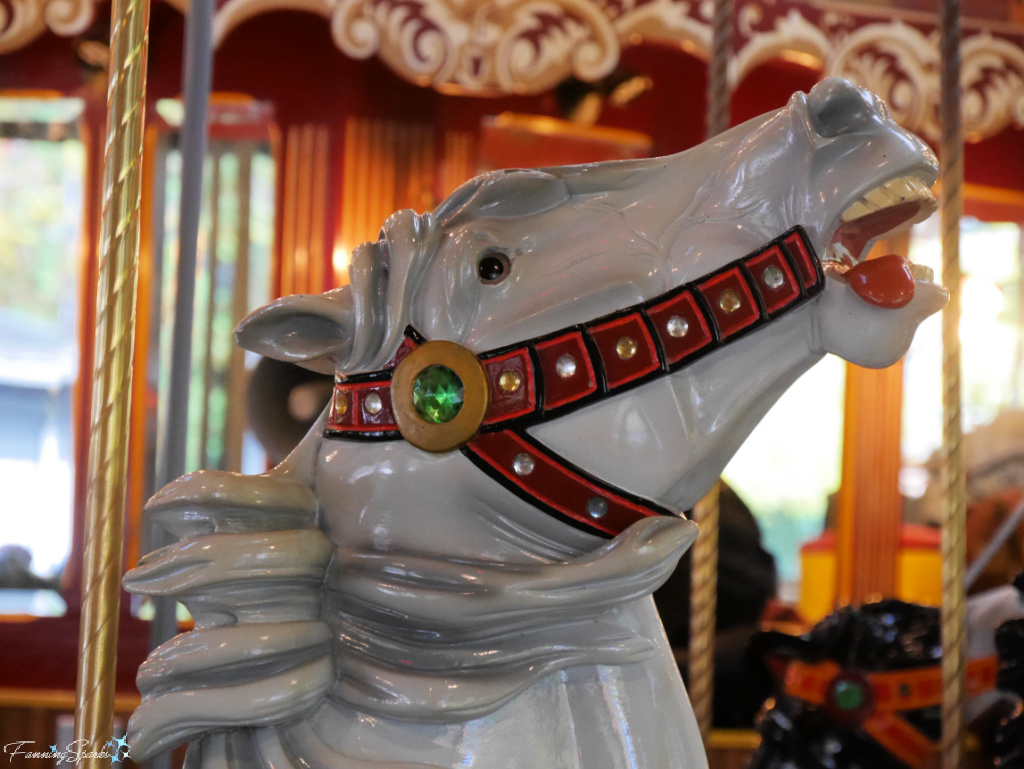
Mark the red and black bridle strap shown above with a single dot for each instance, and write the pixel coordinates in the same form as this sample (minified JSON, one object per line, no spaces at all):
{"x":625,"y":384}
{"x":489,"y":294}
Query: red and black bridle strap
{"x":549,"y":376}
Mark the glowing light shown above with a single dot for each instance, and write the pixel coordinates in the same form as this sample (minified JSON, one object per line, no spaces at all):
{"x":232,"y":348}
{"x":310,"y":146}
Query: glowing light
{"x":340,"y":260}
{"x":801,"y":58}
{"x":982,"y":303}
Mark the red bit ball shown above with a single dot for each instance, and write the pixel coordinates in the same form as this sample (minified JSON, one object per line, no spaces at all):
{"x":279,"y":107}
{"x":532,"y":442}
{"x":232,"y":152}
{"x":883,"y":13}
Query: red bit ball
{"x":887,"y":281}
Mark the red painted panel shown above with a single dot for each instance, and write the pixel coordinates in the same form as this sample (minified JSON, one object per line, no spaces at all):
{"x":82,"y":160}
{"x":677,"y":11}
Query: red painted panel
{"x":698,"y":334}
{"x":717,"y":288}
{"x":509,"y":405}
{"x":779,"y":297}
{"x":558,"y":390}
{"x":621,"y":369}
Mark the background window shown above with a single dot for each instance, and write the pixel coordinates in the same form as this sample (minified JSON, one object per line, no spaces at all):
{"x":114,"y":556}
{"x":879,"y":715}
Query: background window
{"x":42,"y":164}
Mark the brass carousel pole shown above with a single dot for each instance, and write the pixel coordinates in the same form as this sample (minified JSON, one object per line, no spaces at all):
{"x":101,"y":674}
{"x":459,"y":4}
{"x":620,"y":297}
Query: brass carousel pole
{"x":115,"y":325}
{"x":719,"y":94}
{"x":703,"y":604}
{"x":954,"y":551}
{"x":704,"y":573}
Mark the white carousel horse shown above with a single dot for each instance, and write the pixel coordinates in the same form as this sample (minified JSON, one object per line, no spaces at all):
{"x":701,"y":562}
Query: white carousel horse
{"x":423,"y":586}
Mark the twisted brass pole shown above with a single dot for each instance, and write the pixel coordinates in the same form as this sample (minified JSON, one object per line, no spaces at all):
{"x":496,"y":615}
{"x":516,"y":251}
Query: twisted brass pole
{"x":115,"y":324}
{"x":703,"y":603}
{"x":954,"y":550}
{"x":719,"y":94}
{"x":704,"y":568}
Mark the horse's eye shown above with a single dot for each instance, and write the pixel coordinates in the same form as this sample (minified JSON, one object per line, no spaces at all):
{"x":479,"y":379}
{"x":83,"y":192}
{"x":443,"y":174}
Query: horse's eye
{"x":493,"y":267}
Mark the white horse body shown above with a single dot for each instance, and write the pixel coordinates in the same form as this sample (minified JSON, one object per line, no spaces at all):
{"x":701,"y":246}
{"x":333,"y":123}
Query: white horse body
{"x":368,"y":603}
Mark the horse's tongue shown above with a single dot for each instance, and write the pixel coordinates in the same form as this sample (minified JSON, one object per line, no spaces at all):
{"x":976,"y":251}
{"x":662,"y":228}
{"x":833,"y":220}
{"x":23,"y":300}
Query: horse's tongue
{"x":885,"y":282}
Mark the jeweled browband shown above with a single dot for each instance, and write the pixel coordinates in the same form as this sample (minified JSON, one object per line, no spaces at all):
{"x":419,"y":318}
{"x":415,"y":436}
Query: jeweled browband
{"x":507,"y":390}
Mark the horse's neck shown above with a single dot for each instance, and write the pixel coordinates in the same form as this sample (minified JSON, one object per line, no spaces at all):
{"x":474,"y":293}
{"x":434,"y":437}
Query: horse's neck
{"x":670,"y":439}
{"x":392,"y":497}
{"x":736,"y":387}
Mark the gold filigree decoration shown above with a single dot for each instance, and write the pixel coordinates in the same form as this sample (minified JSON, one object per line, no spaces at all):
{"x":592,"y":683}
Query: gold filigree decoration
{"x":792,"y":36}
{"x":510,"y":47}
{"x":901,"y":64}
{"x":503,"y":46}
{"x":22,"y":21}
{"x":528,"y":46}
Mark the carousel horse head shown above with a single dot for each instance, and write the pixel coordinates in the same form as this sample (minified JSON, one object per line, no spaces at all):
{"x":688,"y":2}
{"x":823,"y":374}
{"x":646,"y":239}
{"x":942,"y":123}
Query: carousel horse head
{"x":864,"y":686}
{"x":532,"y":382}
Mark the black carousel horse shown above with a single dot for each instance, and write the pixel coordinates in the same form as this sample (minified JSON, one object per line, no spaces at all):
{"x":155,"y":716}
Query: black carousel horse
{"x":863,"y":690}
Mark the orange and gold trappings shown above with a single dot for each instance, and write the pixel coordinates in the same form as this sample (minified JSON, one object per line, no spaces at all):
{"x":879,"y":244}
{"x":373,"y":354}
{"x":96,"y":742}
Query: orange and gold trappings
{"x":115,"y":324}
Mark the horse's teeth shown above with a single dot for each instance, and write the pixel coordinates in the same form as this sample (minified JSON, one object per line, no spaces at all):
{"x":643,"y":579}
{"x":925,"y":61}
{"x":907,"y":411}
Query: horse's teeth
{"x":907,"y":188}
{"x":922,"y":272}
{"x":892,"y":193}
{"x":857,"y":211}
{"x":880,"y":197}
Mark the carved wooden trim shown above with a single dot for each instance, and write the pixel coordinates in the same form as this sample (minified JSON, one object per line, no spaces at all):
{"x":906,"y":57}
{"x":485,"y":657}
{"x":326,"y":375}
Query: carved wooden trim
{"x":527,"y":46}
{"x":303,"y":223}
{"x":501,"y":46}
{"x":897,"y":60}
{"x":387,"y":165}
{"x":22,"y":21}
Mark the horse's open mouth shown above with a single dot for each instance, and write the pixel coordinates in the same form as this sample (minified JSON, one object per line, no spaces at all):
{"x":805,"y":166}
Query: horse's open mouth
{"x":885,"y":210}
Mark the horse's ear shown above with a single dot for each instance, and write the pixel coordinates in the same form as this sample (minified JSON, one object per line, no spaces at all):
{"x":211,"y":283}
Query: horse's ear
{"x":314,"y":331}
{"x":502,"y":194}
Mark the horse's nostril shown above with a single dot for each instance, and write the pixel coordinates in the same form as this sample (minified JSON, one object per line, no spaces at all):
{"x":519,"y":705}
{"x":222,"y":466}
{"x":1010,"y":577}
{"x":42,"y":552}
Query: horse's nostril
{"x":837,"y":106}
